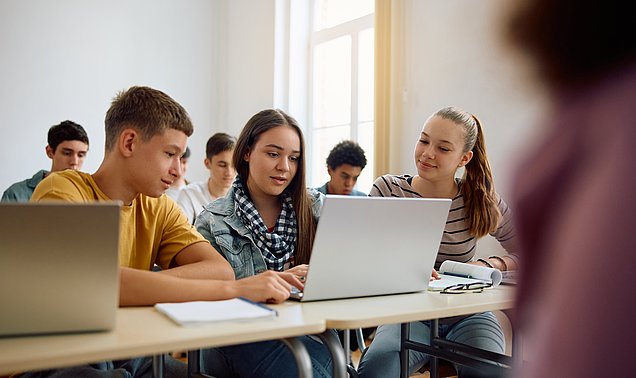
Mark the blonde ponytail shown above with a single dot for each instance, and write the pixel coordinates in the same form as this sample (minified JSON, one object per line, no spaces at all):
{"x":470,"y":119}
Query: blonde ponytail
{"x":478,"y":188}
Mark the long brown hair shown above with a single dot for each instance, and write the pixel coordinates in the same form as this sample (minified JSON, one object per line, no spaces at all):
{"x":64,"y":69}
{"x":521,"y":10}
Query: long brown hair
{"x":257,"y":125}
{"x":478,"y":187}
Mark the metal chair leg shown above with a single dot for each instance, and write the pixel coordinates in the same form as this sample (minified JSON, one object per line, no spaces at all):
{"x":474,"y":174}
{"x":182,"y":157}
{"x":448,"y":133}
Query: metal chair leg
{"x":157,"y":365}
{"x":303,"y":361}
{"x":337,"y":353}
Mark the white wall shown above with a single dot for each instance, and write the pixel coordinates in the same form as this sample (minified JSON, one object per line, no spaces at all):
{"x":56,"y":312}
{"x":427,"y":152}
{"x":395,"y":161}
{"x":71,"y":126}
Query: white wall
{"x":250,"y":60}
{"x":67,"y":59}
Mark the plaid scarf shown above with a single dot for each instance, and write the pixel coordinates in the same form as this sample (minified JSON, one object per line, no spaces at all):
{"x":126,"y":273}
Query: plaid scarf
{"x":277,"y":247}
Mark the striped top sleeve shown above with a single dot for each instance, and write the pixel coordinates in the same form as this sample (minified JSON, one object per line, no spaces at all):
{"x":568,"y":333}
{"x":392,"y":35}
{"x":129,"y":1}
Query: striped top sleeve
{"x":457,"y":243}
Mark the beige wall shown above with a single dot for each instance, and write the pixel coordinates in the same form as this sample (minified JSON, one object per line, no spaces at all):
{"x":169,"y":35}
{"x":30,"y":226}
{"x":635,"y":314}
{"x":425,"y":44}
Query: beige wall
{"x":452,"y":53}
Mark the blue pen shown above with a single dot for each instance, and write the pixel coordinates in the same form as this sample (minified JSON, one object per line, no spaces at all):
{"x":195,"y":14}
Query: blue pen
{"x":261,"y":305}
{"x":456,"y":274}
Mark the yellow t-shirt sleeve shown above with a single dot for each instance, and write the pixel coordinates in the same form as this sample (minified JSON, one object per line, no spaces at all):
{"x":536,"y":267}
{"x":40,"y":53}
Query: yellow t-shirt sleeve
{"x":58,"y":187}
{"x":152,"y":230}
{"x":177,"y":234}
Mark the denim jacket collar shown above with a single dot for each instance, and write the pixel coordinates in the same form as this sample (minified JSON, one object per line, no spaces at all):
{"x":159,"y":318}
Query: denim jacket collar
{"x":225,"y":207}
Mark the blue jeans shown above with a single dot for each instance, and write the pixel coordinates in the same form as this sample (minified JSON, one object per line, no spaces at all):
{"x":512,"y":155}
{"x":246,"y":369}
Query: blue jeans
{"x":382,"y":359}
{"x":136,"y":367}
{"x":264,"y":359}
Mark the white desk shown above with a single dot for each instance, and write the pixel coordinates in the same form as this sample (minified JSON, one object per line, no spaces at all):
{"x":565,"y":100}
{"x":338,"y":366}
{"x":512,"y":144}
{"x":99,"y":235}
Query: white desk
{"x":141,"y":331}
{"x":374,"y":311}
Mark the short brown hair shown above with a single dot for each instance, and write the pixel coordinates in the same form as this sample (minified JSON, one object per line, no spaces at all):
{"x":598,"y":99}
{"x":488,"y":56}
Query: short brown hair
{"x":219,"y":142}
{"x":147,"y":110}
{"x":65,"y":131}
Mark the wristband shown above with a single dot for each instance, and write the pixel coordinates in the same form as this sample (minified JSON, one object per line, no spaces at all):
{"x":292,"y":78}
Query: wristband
{"x":485,"y":262}
{"x":503,"y":262}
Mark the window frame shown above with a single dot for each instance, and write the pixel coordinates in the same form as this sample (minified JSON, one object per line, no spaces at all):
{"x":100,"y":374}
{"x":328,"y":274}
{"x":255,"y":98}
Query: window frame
{"x":352,"y":29}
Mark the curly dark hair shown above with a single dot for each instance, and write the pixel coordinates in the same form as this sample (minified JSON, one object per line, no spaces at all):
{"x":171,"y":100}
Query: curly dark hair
{"x":346,"y":152}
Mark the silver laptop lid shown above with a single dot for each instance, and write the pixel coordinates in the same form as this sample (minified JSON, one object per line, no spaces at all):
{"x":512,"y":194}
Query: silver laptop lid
{"x":58,"y":267}
{"x":368,"y":246}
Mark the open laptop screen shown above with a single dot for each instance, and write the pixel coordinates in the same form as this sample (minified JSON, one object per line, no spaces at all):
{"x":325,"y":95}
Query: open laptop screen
{"x":368,"y":246}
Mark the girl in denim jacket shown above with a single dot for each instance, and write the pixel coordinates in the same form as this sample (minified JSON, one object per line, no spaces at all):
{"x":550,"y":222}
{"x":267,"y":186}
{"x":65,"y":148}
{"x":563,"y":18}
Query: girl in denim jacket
{"x":267,"y":221}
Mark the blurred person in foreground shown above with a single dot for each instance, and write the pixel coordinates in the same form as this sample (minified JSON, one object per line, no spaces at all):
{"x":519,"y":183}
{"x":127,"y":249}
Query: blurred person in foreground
{"x":573,"y":199}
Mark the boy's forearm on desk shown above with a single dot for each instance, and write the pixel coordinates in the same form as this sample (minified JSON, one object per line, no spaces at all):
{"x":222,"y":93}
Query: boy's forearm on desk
{"x":145,"y":288}
{"x":202,"y":270}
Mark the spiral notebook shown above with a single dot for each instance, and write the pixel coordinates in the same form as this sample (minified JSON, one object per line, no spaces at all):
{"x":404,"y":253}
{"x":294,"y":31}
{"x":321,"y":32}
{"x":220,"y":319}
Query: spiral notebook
{"x":453,"y":273}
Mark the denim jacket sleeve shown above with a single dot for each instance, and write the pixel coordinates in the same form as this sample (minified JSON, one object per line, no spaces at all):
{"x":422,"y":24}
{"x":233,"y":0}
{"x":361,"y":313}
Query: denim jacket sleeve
{"x":203,"y":224}
{"x":317,"y":200}
{"x":225,"y":231}
{"x":220,"y":225}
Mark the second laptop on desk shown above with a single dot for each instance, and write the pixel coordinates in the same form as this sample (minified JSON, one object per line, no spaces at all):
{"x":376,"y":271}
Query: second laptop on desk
{"x":59,"y":267}
{"x":367,"y":246}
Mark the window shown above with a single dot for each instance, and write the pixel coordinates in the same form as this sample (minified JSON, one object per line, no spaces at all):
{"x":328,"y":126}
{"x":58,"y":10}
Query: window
{"x":341,"y":90}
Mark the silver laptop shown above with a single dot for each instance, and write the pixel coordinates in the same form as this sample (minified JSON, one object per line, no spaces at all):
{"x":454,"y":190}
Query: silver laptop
{"x":367,"y":246}
{"x":58,"y":267}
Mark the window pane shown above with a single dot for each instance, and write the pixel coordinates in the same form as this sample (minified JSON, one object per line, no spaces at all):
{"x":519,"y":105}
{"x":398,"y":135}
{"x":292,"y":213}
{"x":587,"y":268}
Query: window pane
{"x":328,"y":13}
{"x":365,"y":75}
{"x":323,"y":140}
{"x":333,"y":92}
{"x":332,"y":83}
{"x":365,"y":140}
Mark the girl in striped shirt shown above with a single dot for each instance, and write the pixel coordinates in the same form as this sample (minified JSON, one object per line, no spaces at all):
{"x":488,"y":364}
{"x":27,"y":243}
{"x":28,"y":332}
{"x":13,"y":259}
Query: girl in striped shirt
{"x":450,"y":139}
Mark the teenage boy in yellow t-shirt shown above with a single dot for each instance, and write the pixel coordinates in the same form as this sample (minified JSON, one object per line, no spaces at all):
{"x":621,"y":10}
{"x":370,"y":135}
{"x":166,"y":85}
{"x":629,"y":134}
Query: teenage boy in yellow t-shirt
{"x":146,"y":134}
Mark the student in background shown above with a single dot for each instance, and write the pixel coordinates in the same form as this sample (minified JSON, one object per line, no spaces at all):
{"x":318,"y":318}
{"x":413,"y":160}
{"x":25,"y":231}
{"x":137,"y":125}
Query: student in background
{"x":267,"y":221}
{"x":574,"y":194}
{"x":180,"y":182}
{"x":218,"y":160}
{"x":450,"y":139}
{"x":344,"y":165}
{"x":67,"y":147}
{"x":146,"y":134}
